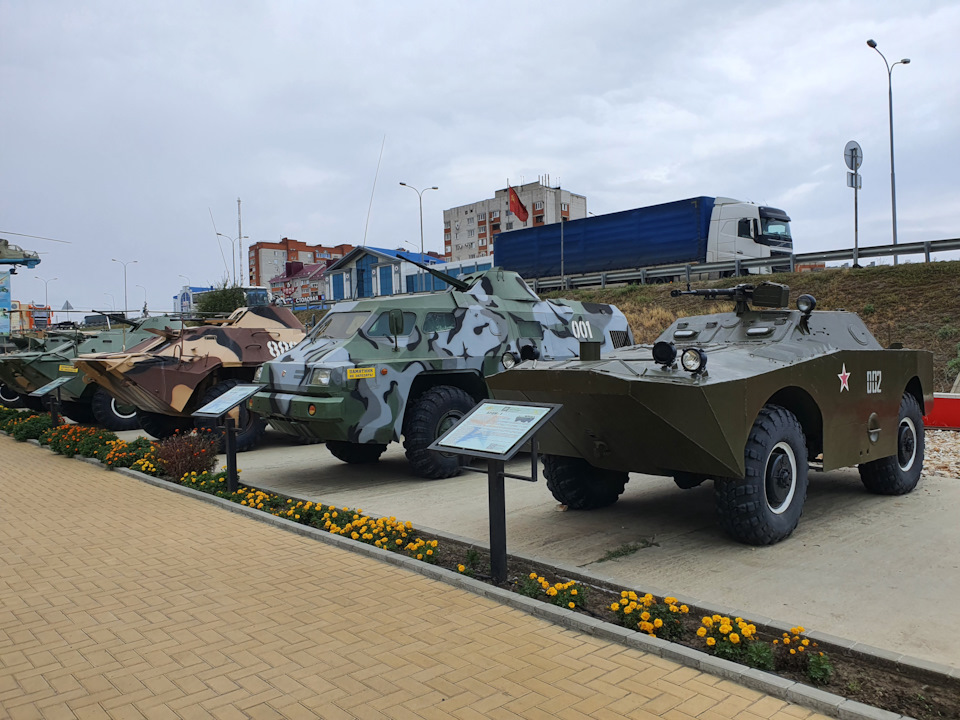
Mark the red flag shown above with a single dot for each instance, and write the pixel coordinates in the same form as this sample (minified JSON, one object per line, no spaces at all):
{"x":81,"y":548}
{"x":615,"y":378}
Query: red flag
{"x":516,"y":207}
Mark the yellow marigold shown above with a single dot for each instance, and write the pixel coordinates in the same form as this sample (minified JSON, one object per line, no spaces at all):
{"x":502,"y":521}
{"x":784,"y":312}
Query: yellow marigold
{"x":786,"y":641}
{"x":571,"y":605}
{"x":460,"y":568}
{"x":724,"y":629}
{"x":645,"y":626}
{"x":551,"y":592}
{"x":573,"y":592}
{"x":644,"y":615}
{"x":670,"y":601}
{"x":734,"y":638}
{"x":658,"y":623}
{"x":707,"y":622}
{"x":623,"y":593}
{"x":701,"y":631}
{"x":793,"y":652}
{"x":615,"y":607}
{"x":684,"y":609}
{"x":711,"y":642}
{"x":628,"y":609}
{"x":532,"y":576}
{"x":717,"y":618}
{"x":805,"y":642}
{"x":800,"y":649}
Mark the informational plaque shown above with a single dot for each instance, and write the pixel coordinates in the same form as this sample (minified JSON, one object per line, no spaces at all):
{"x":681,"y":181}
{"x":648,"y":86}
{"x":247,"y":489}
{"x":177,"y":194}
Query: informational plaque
{"x":51,"y":386}
{"x":495,"y":430}
{"x":226,"y":402}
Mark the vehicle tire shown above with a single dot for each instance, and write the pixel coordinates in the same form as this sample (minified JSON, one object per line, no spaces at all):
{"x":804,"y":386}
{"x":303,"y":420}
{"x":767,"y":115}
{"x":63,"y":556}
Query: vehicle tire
{"x":431,"y":415}
{"x":111,"y":414}
{"x":250,"y":426}
{"x":79,"y":412}
{"x":162,"y":426}
{"x":765,"y":507}
{"x":899,"y":474}
{"x":688,"y":481}
{"x":579,"y":485}
{"x":355,"y":453}
{"x":10,"y":398}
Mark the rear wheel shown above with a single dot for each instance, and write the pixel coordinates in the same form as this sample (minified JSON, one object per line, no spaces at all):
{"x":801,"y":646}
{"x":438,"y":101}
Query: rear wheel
{"x":355,"y":453}
{"x":579,"y":485}
{"x":79,"y":412}
{"x":250,"y":426}
{"x":9,"y":397}
{"x":162,"y":426}
{"x":765,"y":507}
{"x":899,"y":474}
{"x":431,"y":415}
{"x":111,"y":414}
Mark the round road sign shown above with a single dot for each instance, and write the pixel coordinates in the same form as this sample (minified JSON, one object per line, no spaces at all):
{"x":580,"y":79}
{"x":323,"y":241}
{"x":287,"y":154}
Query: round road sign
{"x":853,"y":155}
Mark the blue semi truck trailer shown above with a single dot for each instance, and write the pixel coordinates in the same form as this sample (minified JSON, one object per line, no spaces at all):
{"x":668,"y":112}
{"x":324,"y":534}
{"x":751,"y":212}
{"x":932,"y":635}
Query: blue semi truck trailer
{"x":697,"y":230}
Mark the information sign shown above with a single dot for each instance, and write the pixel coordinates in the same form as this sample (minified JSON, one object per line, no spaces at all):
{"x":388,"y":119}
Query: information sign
{"x":51,"y":386}
{"x":495,"y":430}
{"x":226,"y":402}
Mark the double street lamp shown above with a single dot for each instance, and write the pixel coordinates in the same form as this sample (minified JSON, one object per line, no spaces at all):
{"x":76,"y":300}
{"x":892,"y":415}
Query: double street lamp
{"x":46,"y":301}
{"x":893,"y":180}
{"x":128,"y":262}
{"x":235,"y":253}
{"x":420,"y":198}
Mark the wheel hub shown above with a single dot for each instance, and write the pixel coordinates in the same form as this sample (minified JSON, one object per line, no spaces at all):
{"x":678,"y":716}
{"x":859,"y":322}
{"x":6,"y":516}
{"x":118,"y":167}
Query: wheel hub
{"x":780,"y":480}
{"x":906,"y":445}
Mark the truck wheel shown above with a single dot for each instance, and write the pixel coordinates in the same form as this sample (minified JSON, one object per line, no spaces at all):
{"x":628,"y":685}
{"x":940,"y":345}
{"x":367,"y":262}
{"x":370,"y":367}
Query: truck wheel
{"x":355,"y":453}
{"x":250,"y":426}
{"x":9,"y":397}
{"x":899,"y":474}
{"x":431,"y":415}
{"x":765,"y":507}
{"x":162,"y":426}
{"x":111,"y":414}
{"x":579,"y":485}
{"x":79,"y":412}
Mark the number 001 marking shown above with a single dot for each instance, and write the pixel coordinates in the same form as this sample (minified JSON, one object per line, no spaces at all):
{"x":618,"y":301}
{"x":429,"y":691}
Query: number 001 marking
{"x":581,"y":329}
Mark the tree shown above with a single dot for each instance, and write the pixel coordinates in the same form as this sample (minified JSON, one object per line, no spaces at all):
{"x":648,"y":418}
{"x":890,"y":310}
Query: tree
{"x":224,"y":298}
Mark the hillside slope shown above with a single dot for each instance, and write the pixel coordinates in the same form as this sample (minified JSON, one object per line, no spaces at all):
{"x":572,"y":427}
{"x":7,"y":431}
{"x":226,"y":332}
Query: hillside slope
{"x":917,"y":304}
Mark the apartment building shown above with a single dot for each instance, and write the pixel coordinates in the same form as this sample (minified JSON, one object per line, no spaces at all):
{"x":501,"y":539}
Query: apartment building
{"x":470,"y":231}
{"x":268,"y":260}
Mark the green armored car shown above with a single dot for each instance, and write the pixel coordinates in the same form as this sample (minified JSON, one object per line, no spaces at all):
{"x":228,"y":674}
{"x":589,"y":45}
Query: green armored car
{"x":749,"y":399}
{"x":377,"y":369}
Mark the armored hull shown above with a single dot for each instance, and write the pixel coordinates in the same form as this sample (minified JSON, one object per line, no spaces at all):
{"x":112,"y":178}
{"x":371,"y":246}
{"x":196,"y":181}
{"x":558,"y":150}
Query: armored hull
{"x":358,"y":384}
{"x":702,"y":408}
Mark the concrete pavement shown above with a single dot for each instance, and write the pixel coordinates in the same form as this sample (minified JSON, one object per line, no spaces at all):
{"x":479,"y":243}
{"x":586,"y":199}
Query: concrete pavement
{"x":122,"y":600}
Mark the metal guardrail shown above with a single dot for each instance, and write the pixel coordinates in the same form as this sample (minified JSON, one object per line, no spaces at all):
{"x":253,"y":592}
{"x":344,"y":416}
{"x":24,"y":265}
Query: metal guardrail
{"x":665,"y":273}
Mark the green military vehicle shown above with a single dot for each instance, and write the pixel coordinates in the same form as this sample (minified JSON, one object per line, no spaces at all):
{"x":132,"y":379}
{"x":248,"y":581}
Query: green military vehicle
{"x":52,"y":357}
{"x":376,"y":369}
{"x":784,"y":390}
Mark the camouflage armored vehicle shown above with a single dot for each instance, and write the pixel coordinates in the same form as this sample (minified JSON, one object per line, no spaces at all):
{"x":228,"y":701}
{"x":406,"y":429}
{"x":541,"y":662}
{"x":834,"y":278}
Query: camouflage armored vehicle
{"x":52,"y":356}
{"x":373,"y":370}
{"x":749,"y":399}
{"x":178,"y":371}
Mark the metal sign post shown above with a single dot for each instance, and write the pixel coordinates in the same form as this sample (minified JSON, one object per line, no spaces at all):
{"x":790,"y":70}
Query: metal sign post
{"x":54,"y":402}
{"x":496,"y":431}
{"x":853,"y":156}
{"x":218,"y":408}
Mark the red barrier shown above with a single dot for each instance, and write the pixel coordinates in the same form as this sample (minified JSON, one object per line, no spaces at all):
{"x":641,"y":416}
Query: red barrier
{"x":945,"y":413}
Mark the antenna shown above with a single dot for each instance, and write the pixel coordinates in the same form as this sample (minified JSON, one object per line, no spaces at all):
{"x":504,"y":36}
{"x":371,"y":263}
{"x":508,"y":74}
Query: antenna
{"x":217,"y":236}
{"x":370,"y":209}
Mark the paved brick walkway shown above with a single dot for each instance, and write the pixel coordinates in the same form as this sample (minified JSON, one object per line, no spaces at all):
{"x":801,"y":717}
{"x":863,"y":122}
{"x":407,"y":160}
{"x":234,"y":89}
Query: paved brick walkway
{"x":121,"y":600}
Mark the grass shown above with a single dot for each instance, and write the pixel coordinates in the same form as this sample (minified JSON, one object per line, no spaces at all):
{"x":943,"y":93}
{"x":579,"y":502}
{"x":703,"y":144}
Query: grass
{"x":626,"y":550}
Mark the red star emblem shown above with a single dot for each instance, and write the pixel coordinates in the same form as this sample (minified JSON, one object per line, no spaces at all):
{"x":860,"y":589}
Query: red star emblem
{"x":844,"y":379}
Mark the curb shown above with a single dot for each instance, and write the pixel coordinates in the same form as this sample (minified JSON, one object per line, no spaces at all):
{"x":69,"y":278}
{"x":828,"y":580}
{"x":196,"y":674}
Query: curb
{"x":810,"y":697}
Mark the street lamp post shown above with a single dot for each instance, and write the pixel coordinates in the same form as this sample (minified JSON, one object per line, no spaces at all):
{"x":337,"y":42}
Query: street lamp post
{"x":46,"y":301}
{"x":124,"y":263}
{"x":113,"y":305}
{"x":893,"y":177}
{"x":144,"y":299}
{"x":420,"y":198}
{"x":234,"y":253}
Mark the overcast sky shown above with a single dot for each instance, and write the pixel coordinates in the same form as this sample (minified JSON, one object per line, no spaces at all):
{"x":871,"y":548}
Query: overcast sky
{"x":124,"y":125}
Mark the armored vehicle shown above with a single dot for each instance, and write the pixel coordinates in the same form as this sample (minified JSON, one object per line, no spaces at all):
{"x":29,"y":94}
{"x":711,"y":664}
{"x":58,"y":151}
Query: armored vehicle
{"x":750,"y":399}
{"x":178,"y":371}
{"x":52,"y":356}
{"x":373,"y":370}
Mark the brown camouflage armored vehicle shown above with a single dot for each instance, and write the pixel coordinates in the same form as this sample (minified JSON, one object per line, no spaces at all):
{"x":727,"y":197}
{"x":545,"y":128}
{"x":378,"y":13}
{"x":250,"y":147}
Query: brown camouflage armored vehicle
{"x":172,"y":375}
{"x":783,"y":390}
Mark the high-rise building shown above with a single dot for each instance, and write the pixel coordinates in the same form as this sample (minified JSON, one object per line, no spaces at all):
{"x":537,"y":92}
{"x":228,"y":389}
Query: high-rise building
{"x":470,"y":231}
{"x":268,"y":260}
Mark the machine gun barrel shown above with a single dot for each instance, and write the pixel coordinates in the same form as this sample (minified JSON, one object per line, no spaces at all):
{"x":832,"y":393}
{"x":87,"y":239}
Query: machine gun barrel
{"x":733,"y":292}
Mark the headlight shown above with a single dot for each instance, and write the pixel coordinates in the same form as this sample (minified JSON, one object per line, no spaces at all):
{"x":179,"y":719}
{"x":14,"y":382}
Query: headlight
{"x":321,"y":376}
{"x":664,"y":353}
{"x":257,"y":375}
{"x":508,"y":360}
{"x":694,"y":360}
{"x":806,"y":304}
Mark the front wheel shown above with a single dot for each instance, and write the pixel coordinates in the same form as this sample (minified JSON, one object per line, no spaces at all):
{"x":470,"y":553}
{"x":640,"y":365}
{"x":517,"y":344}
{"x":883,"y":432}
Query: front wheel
{"x":162,"y":426}
{"x":431,"y":415}
{"x":355,"y":453}
{"x":900,"y":473}
{"x":10,"y":398}
{"x":111,"y":414}
{"x":579,"y":485}
{"x":765,"y":507}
